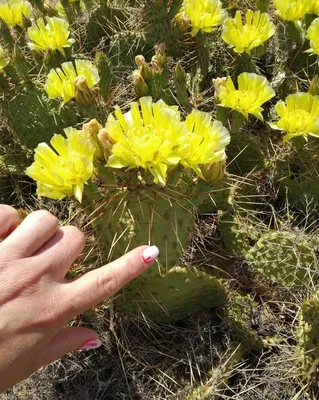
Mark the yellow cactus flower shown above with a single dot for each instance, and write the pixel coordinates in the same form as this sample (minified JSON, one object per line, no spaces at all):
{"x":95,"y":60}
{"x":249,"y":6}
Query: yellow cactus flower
{"x":61,"y":82}
{"x":253,"y":91}
{"x":63,"y":172}
{"x":13,"y":11}
{"x":313,"y":36}
{"x":243,"y":38}
{"x":204,"y":15}
{"x":4,"y":60}
{"x":293,"y":10}
{"x":206,"y":140}
{"x":315,"y":7}
{"x":299,"y":115}
{"x":151,"y":136}
{"x":51,"y":36}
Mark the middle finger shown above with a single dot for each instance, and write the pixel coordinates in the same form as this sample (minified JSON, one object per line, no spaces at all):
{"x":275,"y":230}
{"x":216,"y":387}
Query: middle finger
{"x":36,"y":229}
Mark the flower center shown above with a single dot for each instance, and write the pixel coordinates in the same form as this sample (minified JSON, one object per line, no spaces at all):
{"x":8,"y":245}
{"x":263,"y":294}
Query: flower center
{"x":145,"y":142}
{"x":246,"y":99}
{"x":300,"y":121}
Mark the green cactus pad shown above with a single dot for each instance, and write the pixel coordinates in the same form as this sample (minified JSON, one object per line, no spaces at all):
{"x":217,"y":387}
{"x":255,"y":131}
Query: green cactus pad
{"x":285,"y":258}
{"x":145,"y":215}
{"x":216,"y":198}
{"x":104,"y":66}
{"x":183,"y":291}
{"x":34,"y":118}
{"x":245,"y":154}
{"x":236,"y":233}
{"x":297,"y":178}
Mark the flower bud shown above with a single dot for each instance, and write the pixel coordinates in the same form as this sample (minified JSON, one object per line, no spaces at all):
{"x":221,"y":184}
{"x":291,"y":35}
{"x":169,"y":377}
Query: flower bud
{"x":182,"y":21}
{"x":160,"y":53}
{"x":91,"y":130}
{"x":214,"y":173}
{"x":140,"y":86}
{"x":106,"y":143}
{"x":146,"y":72}
{"x":139,"y":60}
{"x":83,"y":94}
{"x":156,"y":65}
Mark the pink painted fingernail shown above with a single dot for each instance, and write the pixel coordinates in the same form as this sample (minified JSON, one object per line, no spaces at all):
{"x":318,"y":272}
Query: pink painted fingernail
{"x":150,"y":254}
{"x":90,"y":344}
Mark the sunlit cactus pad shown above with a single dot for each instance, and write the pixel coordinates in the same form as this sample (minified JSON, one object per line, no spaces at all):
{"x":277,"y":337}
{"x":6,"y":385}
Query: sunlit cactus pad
{"x":285,"y":258}
{"x":172,"y":297}
{"x":150,"y":215}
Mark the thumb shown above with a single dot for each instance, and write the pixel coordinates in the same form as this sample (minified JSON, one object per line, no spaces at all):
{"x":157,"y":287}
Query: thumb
{"x":70,"y":339}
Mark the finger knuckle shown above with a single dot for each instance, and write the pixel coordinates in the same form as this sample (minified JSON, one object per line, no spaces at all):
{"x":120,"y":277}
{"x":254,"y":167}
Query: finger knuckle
{"x":107,"y":284}
{"x":45,"y":217}
{"x":76,"y":235}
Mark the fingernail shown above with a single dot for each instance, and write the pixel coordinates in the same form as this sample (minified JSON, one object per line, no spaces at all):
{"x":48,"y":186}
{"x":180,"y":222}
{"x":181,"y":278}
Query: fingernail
{"x":90,"y":344}
{"x":150,"y":254}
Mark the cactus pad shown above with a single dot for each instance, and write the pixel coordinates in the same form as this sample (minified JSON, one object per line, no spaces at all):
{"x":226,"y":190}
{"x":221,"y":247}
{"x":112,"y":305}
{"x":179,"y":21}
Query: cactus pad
{"x":145,"y":215}
{"x":245,"y":154}
{"x":285,"y":258}
{"x":236,"y":234}
{"x":181,"y":292}
{"x":35,"y":119}
{"x":298,"y":179}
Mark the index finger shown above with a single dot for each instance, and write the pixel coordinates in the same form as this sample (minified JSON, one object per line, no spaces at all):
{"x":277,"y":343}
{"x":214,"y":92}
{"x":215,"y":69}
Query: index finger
{"x":97,"y":285}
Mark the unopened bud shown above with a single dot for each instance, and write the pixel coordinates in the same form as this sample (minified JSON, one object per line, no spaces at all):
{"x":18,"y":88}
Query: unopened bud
{"x":140,"y":86}
{"x":139,"y":60}
{"x":214,"y":173}
{"x":182,"y":21}
{"x":83,"y":94}
{"x":146,"y":72}
{"x":160,"y":53}
{"x":156,"y":65}
{"x":92,"y":129}
{"x":106,"y":143}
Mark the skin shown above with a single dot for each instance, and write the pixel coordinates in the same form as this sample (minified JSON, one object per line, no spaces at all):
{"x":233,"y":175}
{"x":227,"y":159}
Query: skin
{"x":37,"y":302}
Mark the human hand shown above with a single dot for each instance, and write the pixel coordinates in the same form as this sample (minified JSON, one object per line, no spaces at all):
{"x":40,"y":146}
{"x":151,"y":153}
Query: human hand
{"x":36,"y":301}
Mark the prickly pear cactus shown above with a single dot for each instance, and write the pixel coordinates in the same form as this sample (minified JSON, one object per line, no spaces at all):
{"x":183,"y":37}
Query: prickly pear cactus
{"x":285,"y":258}
{"x":297,"y":178}
{"x":34,"y":118}
{"x":145,"y":215}
{"x":171,"y":297}
{"x":308,"y":338}
{"x":238,"y":233}
{"x":245,"y":154}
